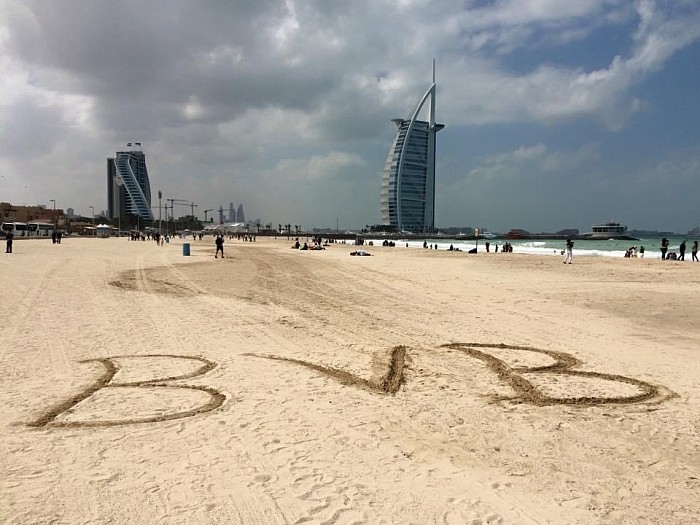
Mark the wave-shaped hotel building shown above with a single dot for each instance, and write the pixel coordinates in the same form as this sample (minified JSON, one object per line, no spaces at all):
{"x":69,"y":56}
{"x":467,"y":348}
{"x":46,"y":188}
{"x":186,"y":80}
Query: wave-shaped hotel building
{"x":128,"y":187}
{"x":408,"y":178}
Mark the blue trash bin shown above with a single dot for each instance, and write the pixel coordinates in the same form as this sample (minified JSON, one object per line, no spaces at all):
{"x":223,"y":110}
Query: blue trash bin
{"x":186,"y":248}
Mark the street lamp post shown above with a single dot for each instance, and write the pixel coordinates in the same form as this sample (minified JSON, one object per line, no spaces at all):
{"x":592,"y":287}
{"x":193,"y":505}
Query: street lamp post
{"x":55,"y":222}
{"x":193,"y":206}
{"x":92,"y":209}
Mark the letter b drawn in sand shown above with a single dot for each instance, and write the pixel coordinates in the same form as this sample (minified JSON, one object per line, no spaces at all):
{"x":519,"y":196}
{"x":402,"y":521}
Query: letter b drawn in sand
{"x":129,"y":398}
{"x":519,"y":378}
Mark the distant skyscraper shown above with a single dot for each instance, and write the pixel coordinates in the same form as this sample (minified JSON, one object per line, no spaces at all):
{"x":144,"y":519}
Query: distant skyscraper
{"x":221,"y":214}
{"x":231,"y":213}
{"x":408,"y":178}
{"x":128,"y":187}
{"x":239,"y":214}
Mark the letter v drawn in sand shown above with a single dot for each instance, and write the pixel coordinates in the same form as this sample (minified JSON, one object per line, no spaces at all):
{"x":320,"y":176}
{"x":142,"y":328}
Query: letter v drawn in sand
{"x":148,"y":396}
{"x":389,"y":383}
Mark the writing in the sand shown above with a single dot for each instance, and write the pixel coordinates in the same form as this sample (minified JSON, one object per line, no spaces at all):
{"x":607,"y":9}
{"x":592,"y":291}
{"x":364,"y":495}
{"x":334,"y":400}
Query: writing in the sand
{"x":516,"y":377}
{"x":524,"y":390}
{"x":57,"y":416}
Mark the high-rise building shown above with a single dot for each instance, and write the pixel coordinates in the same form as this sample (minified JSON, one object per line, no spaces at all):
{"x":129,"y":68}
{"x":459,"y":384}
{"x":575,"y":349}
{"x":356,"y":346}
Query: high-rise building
{"x":128,"y":187}
{"x":408,"y":178}
{"x":231,"y":213}
{"x":239,"y":214}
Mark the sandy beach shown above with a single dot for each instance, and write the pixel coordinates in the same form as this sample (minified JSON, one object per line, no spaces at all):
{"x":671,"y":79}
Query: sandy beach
{"x":278,"y":386}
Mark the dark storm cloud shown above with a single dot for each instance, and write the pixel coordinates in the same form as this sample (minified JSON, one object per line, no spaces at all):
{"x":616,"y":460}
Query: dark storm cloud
{"x":163,"y":56}
{"x":22,"y":138}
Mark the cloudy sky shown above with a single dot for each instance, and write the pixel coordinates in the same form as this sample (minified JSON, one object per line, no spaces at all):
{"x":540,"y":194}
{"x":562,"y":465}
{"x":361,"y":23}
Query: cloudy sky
{"x":559,"y":114}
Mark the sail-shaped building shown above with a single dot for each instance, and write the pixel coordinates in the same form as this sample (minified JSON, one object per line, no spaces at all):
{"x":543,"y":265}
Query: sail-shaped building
{"x":128,"y":187}
{"x":408,"y":178}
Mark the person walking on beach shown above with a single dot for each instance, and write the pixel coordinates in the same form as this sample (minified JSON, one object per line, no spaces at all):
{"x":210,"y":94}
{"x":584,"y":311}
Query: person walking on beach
{"x":681,"y":251}
{"x":569,"y":251}
{"x":219,"y":246}
{"x":694,"y":251}
{"x":664,"y":248}
{"x":8,"y":241}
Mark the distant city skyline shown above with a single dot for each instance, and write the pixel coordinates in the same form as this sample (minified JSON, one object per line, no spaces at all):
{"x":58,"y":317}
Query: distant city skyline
{"x":559,"y":114}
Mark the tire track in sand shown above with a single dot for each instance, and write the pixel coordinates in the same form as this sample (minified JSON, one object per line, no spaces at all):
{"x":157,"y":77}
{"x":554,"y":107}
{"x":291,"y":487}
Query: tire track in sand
{"x":312,"y":501}
{"x":31,"y":296}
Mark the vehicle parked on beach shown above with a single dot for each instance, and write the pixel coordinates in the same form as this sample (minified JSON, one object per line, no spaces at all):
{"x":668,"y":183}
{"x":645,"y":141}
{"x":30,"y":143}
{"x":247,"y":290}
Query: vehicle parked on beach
{"x":40,"y":229}
{"x":18,"y":228}
{"x":28,"y":229}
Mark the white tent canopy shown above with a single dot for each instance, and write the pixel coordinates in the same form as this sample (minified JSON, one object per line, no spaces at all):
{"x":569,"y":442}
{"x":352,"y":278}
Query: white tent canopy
{"x":103,"y":230}
{"x":226,"y":227}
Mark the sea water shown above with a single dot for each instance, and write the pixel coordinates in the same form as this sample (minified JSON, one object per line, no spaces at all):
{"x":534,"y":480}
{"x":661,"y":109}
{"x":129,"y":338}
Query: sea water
{"x":582,"y":248}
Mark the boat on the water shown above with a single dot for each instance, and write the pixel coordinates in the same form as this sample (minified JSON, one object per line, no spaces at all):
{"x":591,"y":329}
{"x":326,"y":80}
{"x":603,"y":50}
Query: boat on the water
{"x":608,"y":230}
{"x":517,"y":233}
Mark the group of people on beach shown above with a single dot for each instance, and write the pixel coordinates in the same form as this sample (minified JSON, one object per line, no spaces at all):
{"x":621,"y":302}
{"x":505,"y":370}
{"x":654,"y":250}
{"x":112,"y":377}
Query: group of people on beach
{"x":635,"y":252}
{"x":507,"y":248}
{"x":672,"y":256}
{"x":316,"y":245}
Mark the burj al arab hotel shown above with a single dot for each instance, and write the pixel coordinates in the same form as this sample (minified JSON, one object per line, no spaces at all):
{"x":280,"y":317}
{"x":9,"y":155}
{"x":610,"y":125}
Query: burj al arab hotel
{"x":408,"y":178}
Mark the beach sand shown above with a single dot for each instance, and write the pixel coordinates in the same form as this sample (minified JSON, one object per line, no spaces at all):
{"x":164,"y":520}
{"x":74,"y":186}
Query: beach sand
{"x":279,"y":386}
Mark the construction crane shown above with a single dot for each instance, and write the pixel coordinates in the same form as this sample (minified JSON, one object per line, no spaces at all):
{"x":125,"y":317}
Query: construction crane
{"x":173,"y":202}
{"x":179,"y":202}
{"x":205,"y":213}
